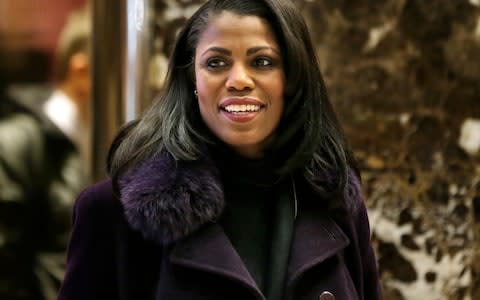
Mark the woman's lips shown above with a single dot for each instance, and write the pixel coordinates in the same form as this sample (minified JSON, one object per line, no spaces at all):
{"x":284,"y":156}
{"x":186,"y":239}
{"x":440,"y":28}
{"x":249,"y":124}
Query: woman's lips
{"x":241,"y":109}
{"x":240,"y":117}
{"x":240,"y":101}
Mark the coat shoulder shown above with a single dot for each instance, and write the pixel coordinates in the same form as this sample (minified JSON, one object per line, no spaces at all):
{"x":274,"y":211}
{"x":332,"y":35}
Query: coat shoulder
{"x":91,"y":252}
{"x":99,"y":194}
{"x":98,"y":202}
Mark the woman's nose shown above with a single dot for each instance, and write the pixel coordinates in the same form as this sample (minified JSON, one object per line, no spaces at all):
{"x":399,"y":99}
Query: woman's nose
{"x":239,"y":78}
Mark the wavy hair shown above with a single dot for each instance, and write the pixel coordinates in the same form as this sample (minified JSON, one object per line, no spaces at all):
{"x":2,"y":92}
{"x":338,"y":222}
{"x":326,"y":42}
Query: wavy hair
{"x":308,"y":139}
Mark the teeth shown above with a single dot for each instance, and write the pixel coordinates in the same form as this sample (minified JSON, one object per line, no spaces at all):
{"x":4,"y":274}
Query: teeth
{"x":236,"y":108}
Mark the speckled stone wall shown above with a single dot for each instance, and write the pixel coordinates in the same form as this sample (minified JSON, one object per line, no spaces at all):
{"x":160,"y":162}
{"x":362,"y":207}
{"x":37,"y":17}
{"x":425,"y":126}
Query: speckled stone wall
{"x":404,"y":77}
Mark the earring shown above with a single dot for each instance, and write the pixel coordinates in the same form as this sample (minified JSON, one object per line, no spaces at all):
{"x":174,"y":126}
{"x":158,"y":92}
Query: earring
{"x":195,"y":92}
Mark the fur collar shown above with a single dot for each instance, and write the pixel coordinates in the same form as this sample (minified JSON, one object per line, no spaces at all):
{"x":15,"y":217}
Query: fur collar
{"x":166,"y":199}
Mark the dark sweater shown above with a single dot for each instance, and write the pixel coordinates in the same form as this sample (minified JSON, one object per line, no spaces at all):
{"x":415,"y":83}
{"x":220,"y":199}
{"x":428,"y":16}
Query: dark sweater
{"x":258,"y":219}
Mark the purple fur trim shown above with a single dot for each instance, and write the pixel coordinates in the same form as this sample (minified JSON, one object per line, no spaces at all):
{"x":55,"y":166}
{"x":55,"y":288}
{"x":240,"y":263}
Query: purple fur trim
{"x":354,"y":191}
{"x":166,"y":199}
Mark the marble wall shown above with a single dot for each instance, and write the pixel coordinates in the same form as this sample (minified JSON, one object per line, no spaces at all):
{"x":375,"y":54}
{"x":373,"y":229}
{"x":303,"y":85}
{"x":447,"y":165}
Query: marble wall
{"x":404,"y":78}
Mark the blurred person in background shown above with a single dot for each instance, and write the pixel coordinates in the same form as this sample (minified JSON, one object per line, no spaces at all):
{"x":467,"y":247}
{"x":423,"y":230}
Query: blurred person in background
{"x":44,"y":143}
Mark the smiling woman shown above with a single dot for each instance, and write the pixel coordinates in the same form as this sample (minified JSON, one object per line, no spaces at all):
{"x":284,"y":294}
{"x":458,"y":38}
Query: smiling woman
{"x":236,"y":184}
{"x":240,"y":81}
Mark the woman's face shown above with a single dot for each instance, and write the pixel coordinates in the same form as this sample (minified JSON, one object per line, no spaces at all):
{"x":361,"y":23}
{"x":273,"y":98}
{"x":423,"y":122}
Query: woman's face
{"x":240,"y":81}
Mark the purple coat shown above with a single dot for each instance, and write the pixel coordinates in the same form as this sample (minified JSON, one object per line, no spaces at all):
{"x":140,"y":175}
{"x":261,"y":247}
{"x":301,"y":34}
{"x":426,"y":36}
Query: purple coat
{"x":158,"y":241}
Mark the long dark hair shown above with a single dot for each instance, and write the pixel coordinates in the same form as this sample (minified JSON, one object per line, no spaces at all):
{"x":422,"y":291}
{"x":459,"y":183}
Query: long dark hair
{"x":308,"y":138}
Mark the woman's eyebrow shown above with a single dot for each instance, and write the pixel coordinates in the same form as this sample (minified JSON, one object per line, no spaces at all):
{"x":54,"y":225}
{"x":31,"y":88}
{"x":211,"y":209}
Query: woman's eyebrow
{"x":256,"y":49}
{"x":218,"y":49}
{"x":250,"y":51}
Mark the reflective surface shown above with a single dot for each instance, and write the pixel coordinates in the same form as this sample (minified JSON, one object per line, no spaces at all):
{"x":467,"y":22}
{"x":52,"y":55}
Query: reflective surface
{"x":120,"y":57}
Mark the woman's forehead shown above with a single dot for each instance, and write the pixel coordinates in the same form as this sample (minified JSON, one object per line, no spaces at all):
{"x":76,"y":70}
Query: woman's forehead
{"x":230,"y":27}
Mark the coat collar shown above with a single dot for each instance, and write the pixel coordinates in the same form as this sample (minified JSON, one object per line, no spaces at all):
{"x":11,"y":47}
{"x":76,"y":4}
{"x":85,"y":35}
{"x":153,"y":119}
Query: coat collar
{"x":316,"y":238}
{"x":210,"y":250}
{"x":167,"y":199}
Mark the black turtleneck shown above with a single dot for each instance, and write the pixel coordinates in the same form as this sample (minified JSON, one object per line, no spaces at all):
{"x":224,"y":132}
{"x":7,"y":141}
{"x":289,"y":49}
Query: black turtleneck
{"x":258,"y":218}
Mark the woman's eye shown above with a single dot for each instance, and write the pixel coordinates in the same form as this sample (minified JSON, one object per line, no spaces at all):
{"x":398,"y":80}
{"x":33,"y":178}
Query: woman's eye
{"x":262,"y":62}
{"x":215,"y":63}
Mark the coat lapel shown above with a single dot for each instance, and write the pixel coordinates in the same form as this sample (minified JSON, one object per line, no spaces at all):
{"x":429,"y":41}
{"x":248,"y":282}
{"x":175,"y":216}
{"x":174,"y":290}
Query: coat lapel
{"x":210,"y":250}
{"x":316,"y":238}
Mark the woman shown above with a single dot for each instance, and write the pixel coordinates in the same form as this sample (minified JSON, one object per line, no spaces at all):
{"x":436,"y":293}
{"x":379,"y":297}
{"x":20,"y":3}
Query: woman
{"x":236,"y":184}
